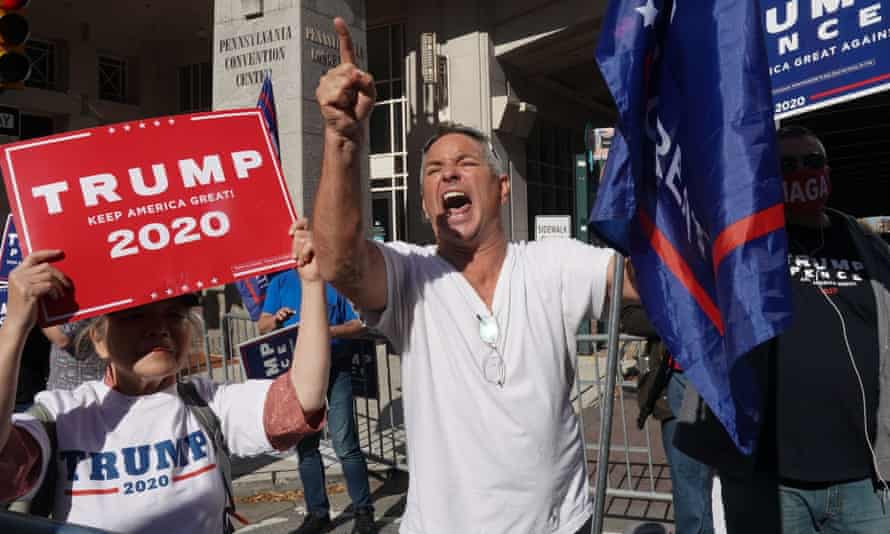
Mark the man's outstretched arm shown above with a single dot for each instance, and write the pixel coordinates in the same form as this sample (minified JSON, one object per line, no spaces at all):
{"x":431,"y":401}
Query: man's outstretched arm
{"x":355,"y":266}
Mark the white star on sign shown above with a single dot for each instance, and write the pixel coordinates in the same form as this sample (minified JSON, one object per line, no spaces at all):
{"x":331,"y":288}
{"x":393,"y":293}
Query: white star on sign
{"x":169,"y":291}
{"x":154,"y":295}
{"x":111,"y":130}
{"x":200,"y":284}
{"x":126,"y":127}
{"x":213,"y":280}
{"x":185,"y":287}
{"x":649,"y":12}
{"x":142,"y":125}
{"x":157,"y":123}
{"x":171,"y":121}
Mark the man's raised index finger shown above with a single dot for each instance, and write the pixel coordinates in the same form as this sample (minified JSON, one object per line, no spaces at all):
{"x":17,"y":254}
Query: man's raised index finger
{"x":347,"y":51}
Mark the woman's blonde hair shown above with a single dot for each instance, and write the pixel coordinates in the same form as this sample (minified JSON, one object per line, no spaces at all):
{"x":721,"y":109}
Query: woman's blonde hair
{"x":98,"y":329}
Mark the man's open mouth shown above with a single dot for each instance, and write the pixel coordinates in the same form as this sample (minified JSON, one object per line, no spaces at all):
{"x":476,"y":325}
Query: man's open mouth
{"x":456,"y":203}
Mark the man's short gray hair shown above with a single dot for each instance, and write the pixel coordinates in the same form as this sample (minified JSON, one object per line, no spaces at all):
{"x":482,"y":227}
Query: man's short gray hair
{"x":488,"y":152}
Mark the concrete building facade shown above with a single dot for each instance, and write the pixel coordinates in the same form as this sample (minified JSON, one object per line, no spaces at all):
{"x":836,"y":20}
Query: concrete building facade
{"x":520,"y":71}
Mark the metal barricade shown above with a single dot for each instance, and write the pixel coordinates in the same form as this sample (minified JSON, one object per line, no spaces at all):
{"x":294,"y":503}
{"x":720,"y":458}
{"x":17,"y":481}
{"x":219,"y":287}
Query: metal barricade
{"x":377,"y":400}
{"x":235,"y":329}
{"x":638,"y":473}
{"x":380,"y":419}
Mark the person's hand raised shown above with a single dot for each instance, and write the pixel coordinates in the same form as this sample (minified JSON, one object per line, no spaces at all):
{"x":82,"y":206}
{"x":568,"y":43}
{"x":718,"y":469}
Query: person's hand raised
{"x":304,"y":252}
{"x":32,"y":280}
{"x":346,"y":94}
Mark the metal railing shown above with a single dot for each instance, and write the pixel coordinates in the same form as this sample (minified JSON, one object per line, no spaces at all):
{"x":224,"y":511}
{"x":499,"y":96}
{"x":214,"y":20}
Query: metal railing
{"x":635,"y":473}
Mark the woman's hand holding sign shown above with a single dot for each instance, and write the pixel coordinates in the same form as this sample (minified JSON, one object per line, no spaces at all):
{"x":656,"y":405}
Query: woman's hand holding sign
{"x":345,"y":93}
{"x":32,"y":280}
{"x":304,"y":252}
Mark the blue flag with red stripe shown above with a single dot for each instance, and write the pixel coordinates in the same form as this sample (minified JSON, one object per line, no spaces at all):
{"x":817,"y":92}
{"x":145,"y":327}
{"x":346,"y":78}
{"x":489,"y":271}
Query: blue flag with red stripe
{"x":692,"y":190}
{"x":266,"y":103}
{"x":253,"y":289}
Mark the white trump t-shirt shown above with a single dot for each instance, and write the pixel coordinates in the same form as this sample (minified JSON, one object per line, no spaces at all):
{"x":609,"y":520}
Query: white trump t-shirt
{"x":144,"y":464}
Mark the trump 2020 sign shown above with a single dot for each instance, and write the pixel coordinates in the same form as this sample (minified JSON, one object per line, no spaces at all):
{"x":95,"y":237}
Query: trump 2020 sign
{"x":823,"y":52}
{"x":150,"y":209}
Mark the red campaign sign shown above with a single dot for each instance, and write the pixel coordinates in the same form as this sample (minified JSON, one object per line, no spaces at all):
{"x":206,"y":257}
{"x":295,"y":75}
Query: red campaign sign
{"x":150,"y":209}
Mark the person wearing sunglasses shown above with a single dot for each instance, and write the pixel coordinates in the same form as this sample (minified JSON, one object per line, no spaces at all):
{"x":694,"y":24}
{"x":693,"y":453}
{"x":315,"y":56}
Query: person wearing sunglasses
{"x":825,"y":457}
{"x":485,"y":327}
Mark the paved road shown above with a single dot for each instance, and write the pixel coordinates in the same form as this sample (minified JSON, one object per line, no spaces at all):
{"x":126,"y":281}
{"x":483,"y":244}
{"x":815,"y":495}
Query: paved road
{"x":278,"y":508}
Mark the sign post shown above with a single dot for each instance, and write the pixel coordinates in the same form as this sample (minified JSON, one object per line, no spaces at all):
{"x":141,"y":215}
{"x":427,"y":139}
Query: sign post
{"x":150,"y":209}
{"x":10,"y":250}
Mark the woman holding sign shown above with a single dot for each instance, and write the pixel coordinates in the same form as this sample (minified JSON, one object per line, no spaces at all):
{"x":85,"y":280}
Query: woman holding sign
{"x":133,"y":453}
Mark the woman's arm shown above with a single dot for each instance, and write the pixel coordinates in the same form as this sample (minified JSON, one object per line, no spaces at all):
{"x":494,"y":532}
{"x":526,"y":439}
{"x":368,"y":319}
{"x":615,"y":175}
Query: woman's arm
{"x":312,"y":354}
{"x":20,"y":454}
{"x":295,"y":402}
{"x":33,"y":279}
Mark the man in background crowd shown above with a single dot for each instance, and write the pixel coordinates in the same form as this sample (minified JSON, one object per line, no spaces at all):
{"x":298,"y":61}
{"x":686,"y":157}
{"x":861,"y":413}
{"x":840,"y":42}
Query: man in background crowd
{"x":824,"y":451}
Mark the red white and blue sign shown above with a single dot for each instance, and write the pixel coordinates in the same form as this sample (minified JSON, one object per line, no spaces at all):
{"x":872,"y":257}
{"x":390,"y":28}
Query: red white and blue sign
{"x":150,"y":209}
{"x":10,"y":251}
{"x":692,"y":190}
{"x":4,"y":298}
{"x":269,"y":355}
{"x":822,"y":52}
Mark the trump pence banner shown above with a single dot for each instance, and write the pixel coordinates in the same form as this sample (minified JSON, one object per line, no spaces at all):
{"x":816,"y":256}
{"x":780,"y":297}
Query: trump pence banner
{"x":822,"y":52}
{"x":269,"y":356}
{"x":151,"y":209}
{"x":10,"y":251}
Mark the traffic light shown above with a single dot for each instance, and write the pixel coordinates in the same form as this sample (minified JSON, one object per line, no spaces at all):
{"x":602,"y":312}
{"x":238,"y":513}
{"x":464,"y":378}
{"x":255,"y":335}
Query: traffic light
{"x":14,"y":64}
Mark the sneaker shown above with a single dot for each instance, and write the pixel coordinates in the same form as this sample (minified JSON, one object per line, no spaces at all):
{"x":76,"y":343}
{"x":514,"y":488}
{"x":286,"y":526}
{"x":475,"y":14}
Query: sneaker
{"x":364,"y":522}
{"x":314,"y":524}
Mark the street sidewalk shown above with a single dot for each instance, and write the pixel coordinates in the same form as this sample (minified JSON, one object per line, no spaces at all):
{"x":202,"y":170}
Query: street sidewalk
{"x":269,"y":494}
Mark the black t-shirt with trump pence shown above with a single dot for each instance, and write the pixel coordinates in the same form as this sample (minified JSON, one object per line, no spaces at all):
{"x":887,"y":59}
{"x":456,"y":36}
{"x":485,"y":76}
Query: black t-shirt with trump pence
{"x":819,"y":418}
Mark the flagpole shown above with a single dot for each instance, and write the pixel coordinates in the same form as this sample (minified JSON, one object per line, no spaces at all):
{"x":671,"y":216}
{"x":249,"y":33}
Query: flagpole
{"x":607,"y":397}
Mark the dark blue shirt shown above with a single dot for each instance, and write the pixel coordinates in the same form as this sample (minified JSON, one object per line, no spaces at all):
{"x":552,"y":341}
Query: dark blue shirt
{"x":285,"y":290}
{"x":821,"y":432}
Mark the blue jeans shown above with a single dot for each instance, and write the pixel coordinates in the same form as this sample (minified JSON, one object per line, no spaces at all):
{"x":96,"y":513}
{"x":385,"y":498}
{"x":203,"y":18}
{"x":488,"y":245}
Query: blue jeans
{"x":847,"y":507}
{"x":343,"y":434}
{"x":691,"y":480}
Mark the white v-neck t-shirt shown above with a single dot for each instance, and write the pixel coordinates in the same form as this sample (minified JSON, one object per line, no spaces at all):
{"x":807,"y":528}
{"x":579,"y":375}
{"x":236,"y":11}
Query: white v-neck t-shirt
{"x":484,"y":458}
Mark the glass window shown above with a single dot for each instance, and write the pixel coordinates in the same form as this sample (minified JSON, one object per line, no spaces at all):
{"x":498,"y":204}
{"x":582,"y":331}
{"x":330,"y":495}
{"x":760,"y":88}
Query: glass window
{"x":195,"y":87}
{"x":383,"y":91}
{"x":42,"y":55}
{"x":380,"y":129}
{"x":378,"y":53}
{"x":398,"y":134}
{"x":112,"y":79}
{"x":386,"y":52}
{"x":550,"y":169}
{"x":381,"y":216}
{"x":396,"y":60}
